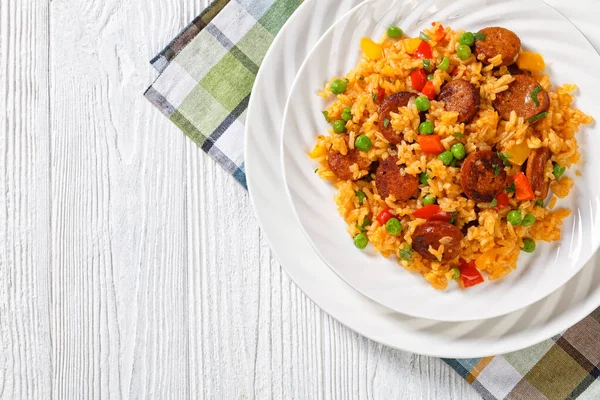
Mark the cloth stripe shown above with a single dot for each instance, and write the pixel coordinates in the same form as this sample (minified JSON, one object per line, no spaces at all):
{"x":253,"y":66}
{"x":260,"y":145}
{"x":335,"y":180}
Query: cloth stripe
{"x":204,"y":87}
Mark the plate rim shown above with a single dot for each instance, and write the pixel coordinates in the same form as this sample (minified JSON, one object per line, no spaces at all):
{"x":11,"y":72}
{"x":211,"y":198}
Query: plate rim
{"x":533,"y":335}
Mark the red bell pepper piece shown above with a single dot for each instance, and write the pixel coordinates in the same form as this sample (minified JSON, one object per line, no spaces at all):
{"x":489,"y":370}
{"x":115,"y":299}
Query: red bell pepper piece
{"x":523,"y":188}
{"x":424,"y":50}
{"x":469,"y":274}
{"x":384,"y":216}
{"x":430,"y":144}
{"x":418,"y":78}
{"x":502,"y":199}
{"x":439,"y":34}
{"x":380,"y":94}
{"x":432,"y":212}
{"x":429,"y":90}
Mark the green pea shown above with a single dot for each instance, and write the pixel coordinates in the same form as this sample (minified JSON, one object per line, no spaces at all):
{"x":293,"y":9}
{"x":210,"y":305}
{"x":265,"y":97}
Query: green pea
{"x":528,"y":245}
{"x":558,"y":171}
{"x":444,"y":64}
{"x":429,"y":199}
{"x":446,"y":157}
{"x":458,"y":151}
{"x":393,"y":226}
{"x":422,"y":103}
{"x":467,"y":39}
{"x":463,"y":52}
{"x":347,"y":114}
{"x":394,"y":32}
{"x":528,"y":220}
{"x":363,"y":143}
{"x":426,"y":128}
{"x":339,"y":126}
{"x":361,"y":197}
{"x":514,"y":217}
{"x":361,"y":240}
{"x":430,"y":77}
{"x":424,"y":178}
{"x":338,"y":86}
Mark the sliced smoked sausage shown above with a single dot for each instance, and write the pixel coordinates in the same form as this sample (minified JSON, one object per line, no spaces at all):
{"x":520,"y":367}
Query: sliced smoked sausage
{"x":536,"y":169}
{"x":498,"y":41}
{"x":460,"y":96}
{"x":340,"y":164}
{"x":519,"y":97}
{"x":392,"y":104}
{"x":483,"y":176}
{"x":435,"y":233}
{"x":391,"y":179}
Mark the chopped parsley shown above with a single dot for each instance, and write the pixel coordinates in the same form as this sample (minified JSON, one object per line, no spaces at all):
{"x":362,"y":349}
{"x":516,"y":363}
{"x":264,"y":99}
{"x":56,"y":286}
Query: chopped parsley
{"x":326,"y":115}
{"x":505,"y":157}
{"x":374,"y":96}
{"x":494,"y":203}
{"x":406,"y":253}
{"x":512,"y":188}
{"x":458,"y":135}
{"x":534,"y":94}
{"x":426,"y":64}
{"x":424,"y":36}
{"x":496,"y":169}
{"x":361,"y":196}
{"x":455,"y":272}
{"x":454,"y":215}
{"x":538,"y":117}
{"x":479,"y":36}
{"x":539,"y":203}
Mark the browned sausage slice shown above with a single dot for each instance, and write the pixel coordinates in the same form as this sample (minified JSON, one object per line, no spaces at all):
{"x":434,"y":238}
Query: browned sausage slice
{"x":340,"y":164}
{"x":498,"y":41}
{"x":519,"y":97}
{"x":483,"y":176}
{"x":460,"y":96}
{"x":435,"y":233}
{"x":392,"y":104}
{"x":390,"y":179}
{"x":536,"y":168}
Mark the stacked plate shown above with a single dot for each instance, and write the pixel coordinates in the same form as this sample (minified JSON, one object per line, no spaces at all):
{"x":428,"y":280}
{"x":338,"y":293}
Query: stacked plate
{"x":373,"y":296}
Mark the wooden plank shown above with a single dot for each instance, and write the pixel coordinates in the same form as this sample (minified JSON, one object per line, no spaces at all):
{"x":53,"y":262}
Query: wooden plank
{"x":25,"y":358}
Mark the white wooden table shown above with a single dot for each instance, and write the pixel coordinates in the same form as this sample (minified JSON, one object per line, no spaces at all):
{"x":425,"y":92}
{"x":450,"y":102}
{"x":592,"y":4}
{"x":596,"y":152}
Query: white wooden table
{"x":131,"y":265}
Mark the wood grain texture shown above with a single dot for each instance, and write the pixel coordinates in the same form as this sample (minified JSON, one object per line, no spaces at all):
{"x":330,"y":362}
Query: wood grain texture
{"x":131,"y":264}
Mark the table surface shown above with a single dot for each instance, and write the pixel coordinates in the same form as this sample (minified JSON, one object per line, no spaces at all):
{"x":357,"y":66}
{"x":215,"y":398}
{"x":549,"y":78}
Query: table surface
{"x":131,"y":265}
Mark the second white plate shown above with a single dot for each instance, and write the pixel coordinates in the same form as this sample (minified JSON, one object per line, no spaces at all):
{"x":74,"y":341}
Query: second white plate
{"x":268,"y":195}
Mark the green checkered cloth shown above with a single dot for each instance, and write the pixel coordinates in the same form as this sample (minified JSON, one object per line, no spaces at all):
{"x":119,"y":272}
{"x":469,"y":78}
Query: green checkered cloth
{"x":206,"y":76}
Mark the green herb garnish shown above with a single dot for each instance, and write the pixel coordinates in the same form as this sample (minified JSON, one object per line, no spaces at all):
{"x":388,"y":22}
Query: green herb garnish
{"x":534,"y":94}
{"x":375,"y":97}
{"x":455,"y":273}
{"x":458,"y":135}
{"x":538,"y":117}
{"x":326,"y":115}
{"x":505,"y":157}
{"x":512,"y":188}
{"x":496,"y":169}
{"x":454,"y":215}
{"x":424,"y":36}
{"x":539,"y":203}
{"x":494,"y":203}
{"x":386,"y":122}
{"x":406,"y":253}
{"x":479,"y":36}
{"x":426,"y":64}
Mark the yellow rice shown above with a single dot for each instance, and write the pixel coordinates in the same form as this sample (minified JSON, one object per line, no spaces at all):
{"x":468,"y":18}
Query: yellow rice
{"x":494,"y":244}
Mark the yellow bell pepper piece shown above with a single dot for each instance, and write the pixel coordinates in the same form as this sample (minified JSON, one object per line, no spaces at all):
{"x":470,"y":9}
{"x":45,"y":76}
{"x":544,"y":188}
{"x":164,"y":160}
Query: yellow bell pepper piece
{"x":371,"y":49}
{"x":488,"y":258}
{"x":531,"y":61}
{"x":318,"y":152}
{"x":411,"y":45}
{"x":518,"y":153}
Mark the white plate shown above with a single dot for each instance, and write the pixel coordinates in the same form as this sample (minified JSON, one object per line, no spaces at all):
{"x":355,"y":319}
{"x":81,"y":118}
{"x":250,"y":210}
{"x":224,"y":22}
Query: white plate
{"x":383,"y":280}
{"x":473,"y":339}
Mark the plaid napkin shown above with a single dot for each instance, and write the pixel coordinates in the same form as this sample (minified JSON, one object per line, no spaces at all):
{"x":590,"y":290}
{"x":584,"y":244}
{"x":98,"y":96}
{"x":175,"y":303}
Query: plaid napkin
{"x":207,"y":73}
